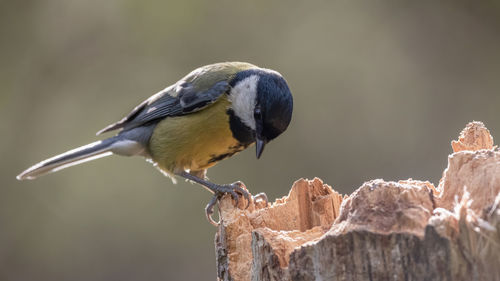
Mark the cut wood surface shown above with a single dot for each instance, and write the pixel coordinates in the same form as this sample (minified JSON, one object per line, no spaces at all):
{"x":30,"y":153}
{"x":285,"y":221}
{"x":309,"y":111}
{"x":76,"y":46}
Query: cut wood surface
{"x":405,"y":230}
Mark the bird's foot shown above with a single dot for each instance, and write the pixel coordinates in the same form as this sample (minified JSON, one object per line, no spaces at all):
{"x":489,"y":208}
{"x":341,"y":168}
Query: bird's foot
{"x":219,"y":190}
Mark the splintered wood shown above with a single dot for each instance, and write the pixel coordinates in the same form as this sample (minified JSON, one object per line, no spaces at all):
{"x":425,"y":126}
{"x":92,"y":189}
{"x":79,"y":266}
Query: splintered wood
{"x":262,"y":234}
{"x":474,"y":136}
{"x":405,"y":230}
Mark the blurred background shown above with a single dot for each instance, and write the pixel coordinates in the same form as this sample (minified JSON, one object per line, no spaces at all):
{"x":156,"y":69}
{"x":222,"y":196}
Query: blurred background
{"x":380,"y":89}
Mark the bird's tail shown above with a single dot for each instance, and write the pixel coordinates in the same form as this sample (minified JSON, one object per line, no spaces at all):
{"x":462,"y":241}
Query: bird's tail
{"x":76,"y":156}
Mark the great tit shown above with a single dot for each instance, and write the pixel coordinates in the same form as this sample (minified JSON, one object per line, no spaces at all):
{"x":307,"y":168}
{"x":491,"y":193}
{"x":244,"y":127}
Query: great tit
{"x":209,"y":115}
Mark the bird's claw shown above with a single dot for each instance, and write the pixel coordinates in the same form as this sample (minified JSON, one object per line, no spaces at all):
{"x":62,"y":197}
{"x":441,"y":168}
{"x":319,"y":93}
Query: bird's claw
{"x":232,"y":189}
{"x":209,"y":210}
{"x":239,"y":187}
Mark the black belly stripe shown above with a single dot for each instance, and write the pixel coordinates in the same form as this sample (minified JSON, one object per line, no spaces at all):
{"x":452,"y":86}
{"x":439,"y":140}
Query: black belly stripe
{"x":240,"y":131}
{"x":232,"y":150}
{"x":217,"y":158}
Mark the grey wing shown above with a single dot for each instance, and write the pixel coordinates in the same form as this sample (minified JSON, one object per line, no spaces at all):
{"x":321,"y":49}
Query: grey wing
{"x":179,"y":99}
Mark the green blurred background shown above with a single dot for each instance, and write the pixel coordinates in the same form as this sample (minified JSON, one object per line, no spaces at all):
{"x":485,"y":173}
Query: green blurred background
{"x":380,"y":89}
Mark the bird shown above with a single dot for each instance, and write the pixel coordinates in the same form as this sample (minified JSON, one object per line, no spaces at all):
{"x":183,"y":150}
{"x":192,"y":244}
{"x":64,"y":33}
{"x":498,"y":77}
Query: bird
{"x":209,"y":115}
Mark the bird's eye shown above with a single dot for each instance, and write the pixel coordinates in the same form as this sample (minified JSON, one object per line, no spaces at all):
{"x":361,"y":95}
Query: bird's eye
{"x":257,"y":113}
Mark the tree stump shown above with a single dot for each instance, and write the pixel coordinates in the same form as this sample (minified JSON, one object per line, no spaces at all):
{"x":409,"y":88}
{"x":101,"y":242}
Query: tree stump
{"x":405,"y":230}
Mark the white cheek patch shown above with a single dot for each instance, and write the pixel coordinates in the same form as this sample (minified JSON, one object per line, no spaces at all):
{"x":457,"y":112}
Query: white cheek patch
{"x":243,"y":97}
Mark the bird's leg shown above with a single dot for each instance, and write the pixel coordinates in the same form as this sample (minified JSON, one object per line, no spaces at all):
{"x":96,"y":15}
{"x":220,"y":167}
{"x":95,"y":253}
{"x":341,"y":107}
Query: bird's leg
{"x":219,"y":191}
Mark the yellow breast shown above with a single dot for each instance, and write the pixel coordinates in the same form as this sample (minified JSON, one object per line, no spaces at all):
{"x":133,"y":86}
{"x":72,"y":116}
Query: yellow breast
{"x":194,"y":141}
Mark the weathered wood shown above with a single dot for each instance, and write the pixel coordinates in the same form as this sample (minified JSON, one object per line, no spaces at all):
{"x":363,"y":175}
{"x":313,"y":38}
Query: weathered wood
{"x":304,"y":215}
{"x":405,"y":230}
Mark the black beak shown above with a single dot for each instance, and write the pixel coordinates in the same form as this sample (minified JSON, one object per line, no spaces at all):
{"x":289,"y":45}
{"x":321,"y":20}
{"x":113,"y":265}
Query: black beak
{"x":259,"y":146}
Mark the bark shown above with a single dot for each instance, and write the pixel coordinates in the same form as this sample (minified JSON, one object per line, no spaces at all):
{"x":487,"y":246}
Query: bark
{"x":405,"y":230}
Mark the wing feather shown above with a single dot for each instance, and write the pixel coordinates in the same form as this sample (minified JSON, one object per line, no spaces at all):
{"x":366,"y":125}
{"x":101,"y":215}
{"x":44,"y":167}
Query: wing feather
{"x":180,"y":99}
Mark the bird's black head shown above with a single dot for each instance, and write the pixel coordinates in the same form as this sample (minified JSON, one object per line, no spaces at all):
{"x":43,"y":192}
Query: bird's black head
{"x":262,"y":106}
